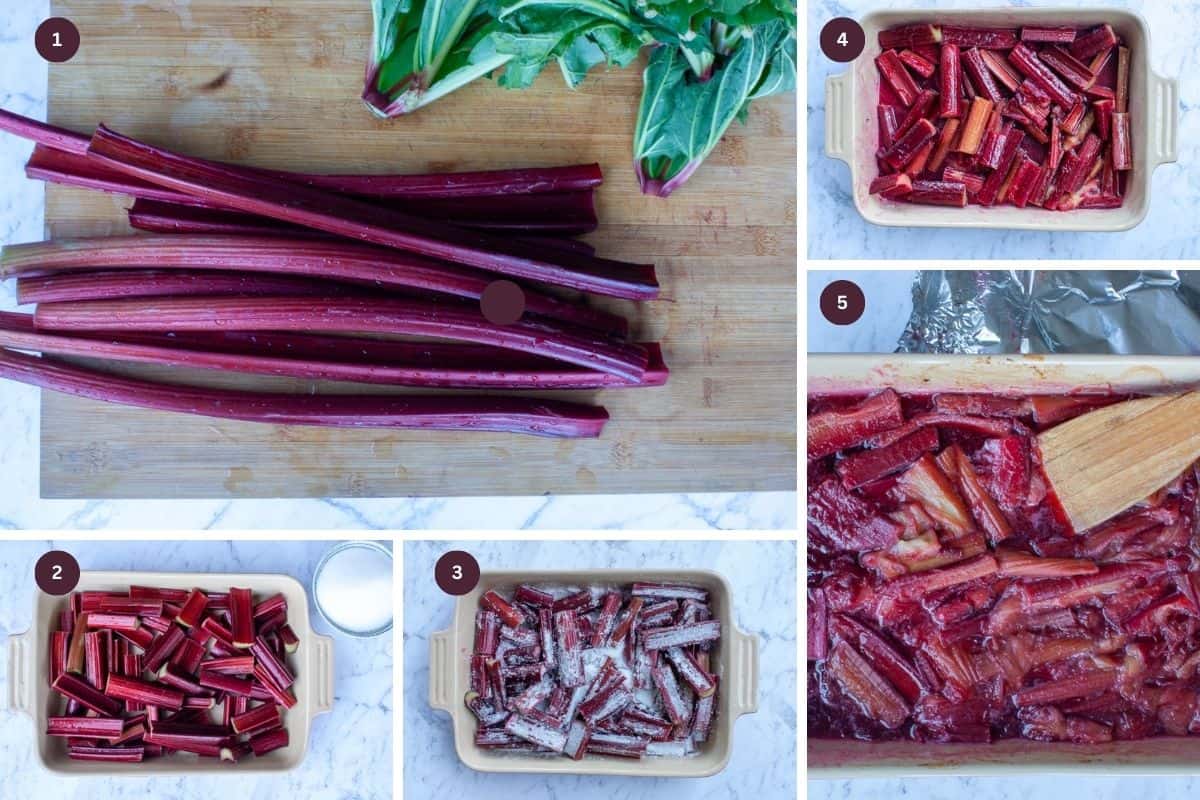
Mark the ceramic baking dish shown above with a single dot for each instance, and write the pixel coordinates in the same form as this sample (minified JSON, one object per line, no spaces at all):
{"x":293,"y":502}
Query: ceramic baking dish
{"x":855,"y":374}
{"x":29,"y":691}
{"x":852,"y":131}
{"x":735,"y":661}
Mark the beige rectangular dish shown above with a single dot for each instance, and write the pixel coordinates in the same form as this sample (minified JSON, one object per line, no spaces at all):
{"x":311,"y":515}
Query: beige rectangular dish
{"x":735,"y":661}
{"x":30,"y":692}
{"x":856,"y":374}
{"x":851,"y":127}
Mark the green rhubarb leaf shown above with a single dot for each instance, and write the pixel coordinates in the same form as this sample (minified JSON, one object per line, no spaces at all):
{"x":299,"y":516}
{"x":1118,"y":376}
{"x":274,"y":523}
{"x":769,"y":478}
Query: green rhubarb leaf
{"x":681,"y":120}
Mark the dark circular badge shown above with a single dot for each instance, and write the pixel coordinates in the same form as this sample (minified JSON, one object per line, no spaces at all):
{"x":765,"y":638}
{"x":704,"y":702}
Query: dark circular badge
{"x":456,"y":572}
{"x":843,"y":302}
{"x":842,"y":40}
{"x":56,"y":573}
{"x":502,"y":302}
{"x":57,"y":40}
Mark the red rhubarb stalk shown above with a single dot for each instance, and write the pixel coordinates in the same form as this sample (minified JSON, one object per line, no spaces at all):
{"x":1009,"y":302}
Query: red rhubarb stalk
{"x":329,"y":212}
{"x":501,"y":414}
{"x":404,"y":317}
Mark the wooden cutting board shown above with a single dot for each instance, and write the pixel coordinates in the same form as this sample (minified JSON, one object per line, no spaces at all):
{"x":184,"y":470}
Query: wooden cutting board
{"x":277,"y":85}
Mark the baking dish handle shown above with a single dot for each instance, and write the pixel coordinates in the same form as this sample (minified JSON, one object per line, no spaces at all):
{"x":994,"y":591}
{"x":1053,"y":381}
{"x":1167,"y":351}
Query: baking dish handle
{"x":744,"y":697}
{"x":1164,"y":120}
{"x":21,"y":688}
{"x":323,"y":656}
{"x":441,"y":671}
{"x":839,"y":111}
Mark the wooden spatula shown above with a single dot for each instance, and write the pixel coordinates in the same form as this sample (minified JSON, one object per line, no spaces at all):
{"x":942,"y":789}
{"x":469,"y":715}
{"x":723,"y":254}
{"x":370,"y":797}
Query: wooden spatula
{"x":1103,"y":462}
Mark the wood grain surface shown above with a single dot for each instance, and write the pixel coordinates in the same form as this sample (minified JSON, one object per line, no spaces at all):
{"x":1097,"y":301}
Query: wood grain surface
{"x":277,"y":84}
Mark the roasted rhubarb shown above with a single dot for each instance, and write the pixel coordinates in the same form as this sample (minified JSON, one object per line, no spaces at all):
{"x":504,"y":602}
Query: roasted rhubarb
{"x":624,"y":671}
{"x":984,"y":616}
{"x":1013,"y":105}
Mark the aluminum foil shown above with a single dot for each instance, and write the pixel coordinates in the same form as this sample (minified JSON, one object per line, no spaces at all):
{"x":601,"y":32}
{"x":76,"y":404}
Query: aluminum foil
{"x":1054,"y":311}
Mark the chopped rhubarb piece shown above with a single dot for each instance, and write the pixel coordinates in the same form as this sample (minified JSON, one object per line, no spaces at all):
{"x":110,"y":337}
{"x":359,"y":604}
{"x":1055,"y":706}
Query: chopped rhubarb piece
{"x":1094,"y":41}
{"x":892,"y":69}
{"x":999,"y":67}
{"x":682,"y":635}
{"x":570,"y":649}
{"x":577,"y":740}
{"x":193,"y":609}
{"x":1027,"y":61}
{"x":875,"y":696}
{"x":992,"y":186}
{"x":1122,"y":146}
{"x":607,"y":619}
{"x":241,"y":615}
{"x":536,"y":733}
{"x":628,"y":620}
{"x":262,"y":717}
{"x":109,"y":754}
{"x":921,"y":109}
{"x":945,"y":141}
{"x":989,"y":38}
{"x":1065,"y":689}
{"x":519,"y":637}
{"x":85,"y":727}
{"x":920,"y":584}
{"x":889,"y":126}
{"x":669,"y":591}
{"x":613,"y":744}
{"x":909,"y":144}
{"x":838,"y":429}
{"x":894,"y":666}
{"x":126,"y":688}
{"x":938,"y":193}
{"x":116,"y":622}
{"x":164,"y":647}
{"x":1052,"y":35}
{"x":981,"y":76}
{"x":1068,"y":67}
{"x":1028,"y":172}
{"x":487,"y":713}
{"x":612,"y":699}
{"x":992,"y":148}
{"x":658,"y":614}
{"x":955,"y":464}
{"x":928,"y":485}
{"x":865,"y":466}
{"x":818,"y":625}
{"x":1122,"y":88}
{"x":1104,"y":114}
{"x":1019,"y":564}
{"x":973,"y":130}
{"x":671,"y":694}
{"x":846,"y":521}
{"x":508,"y":613}
{"x":689,"y":669}
{"x":72,"y":686}
{"x":917,"y":64}
{"x":487,"y":632}
{"x":1073,"y":179}
{"x":533,"y":596}
{"x":907,"y":36}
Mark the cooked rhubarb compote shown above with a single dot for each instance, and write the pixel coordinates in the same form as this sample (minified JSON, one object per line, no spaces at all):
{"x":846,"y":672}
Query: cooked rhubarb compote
{"x":949,"y":600}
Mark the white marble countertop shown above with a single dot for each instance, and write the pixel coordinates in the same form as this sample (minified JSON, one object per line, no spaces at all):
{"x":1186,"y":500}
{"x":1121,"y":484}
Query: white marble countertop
{"x":836,"y":230}
{"x":350,"y":748}
{"x":23,"y":90}
{"x":763,"y":578}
